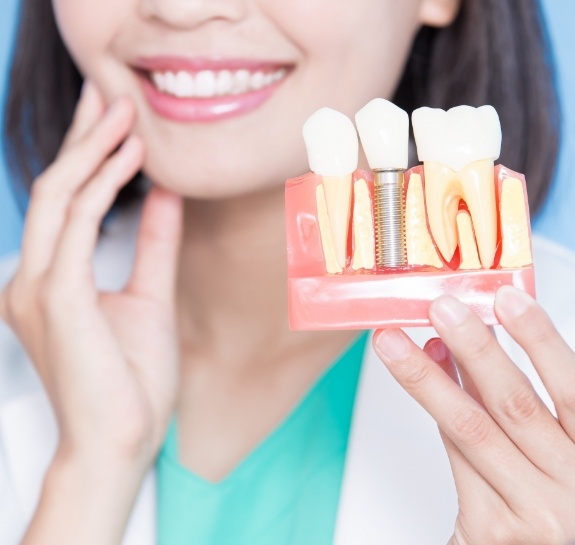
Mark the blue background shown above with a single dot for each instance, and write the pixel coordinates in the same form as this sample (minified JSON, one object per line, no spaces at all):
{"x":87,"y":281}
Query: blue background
{"x":556,"y":220}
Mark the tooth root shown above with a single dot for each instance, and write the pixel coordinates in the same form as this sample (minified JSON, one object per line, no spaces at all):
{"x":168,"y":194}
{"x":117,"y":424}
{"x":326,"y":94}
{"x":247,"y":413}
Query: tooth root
{"x":442,"y":196}
{"x":516,"y":245}
{"x":363,"y":230}
{"x":467,"y":246}
{"x":444,"y":188}
{"x":331,"y":264}
{"x":477,"y":180}
{"x":420,"y":248}
{"x":338,"y":199}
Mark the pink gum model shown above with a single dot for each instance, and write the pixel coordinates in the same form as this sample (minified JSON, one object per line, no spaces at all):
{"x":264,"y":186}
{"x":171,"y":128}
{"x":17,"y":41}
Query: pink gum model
{"x":368,"y":299}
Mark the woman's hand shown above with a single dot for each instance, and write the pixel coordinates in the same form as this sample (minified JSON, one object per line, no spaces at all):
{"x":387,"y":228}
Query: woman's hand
{"x":109,"y":361}
{"x":513,"y":461}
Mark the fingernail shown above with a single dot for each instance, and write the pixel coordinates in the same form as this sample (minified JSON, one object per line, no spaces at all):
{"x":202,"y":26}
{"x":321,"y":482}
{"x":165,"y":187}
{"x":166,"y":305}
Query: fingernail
{"x":512,"y":302}
{"x":436,"y":350}
{"x":449,"y":311}
{"x":391,"y":344}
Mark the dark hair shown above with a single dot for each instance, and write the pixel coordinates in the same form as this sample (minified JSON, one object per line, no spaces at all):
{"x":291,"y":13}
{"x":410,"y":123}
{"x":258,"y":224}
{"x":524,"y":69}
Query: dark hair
{"x":496,"y":52}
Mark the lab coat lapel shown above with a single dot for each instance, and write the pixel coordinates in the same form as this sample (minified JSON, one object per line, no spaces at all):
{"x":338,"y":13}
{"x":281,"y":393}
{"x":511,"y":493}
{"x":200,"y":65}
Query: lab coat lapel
{"x":397,"y":485}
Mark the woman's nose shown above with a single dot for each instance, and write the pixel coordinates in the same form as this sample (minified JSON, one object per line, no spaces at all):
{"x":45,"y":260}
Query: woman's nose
{"x":188,"y":14}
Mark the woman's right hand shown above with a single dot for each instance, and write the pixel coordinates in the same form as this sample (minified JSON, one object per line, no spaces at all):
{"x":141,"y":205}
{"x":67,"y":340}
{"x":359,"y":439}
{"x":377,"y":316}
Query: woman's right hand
{"x":109,"y":361}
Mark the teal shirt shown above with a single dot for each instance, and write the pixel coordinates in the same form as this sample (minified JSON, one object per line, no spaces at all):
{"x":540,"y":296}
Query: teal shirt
{"x":285,"y":492}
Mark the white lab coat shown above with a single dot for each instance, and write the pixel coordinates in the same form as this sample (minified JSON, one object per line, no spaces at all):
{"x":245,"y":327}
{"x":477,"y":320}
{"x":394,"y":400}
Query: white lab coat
{"x":397,"y":486}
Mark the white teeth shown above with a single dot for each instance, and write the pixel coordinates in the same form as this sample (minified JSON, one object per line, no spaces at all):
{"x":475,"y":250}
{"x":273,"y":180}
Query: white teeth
{"x":384,"y":132}
{"x":224,"y":82}
{"x":184,"y":84}
{"x":460,"y":136}
{"x":257,"y":80}
{"x":207,"y":83}
{"x":241,"y":82}
{"x":331,"y":142}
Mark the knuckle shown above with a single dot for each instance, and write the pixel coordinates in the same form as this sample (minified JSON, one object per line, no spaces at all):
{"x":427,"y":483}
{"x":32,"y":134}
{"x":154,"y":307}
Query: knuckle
{"x":471,"y":426}
{"x":542,"y":333}
{"x":82,"y":209}
{"x":521,"y":406}
{"x":480,"y":347}
{"x":416,"y":376}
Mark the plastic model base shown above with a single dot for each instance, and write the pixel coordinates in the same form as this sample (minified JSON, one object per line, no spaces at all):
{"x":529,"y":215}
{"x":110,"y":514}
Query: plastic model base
{"x":368,"y":299}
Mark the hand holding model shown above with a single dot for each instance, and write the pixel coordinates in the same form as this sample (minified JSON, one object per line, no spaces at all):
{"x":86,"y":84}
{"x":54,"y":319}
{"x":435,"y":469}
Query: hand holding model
{"x":512,"y":460}
{"x":97,"y":353}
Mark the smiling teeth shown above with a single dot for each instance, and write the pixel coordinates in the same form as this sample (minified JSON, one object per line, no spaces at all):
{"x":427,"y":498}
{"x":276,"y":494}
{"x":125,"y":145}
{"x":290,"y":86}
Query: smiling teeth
{"x":208,"y":84}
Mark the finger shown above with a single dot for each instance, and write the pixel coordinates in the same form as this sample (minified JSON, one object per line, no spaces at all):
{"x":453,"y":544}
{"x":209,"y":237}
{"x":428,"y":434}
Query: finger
{"x":155,"y":268}
{"x":54,"y":189}
{"x":465,"y":422}
{"x":72,"y":264}
{"x":90,"y":109}
{"x":470,"y":485}
{"x":506,"y":392}
{"x":551,"y":356}
{"x":474,"y":493}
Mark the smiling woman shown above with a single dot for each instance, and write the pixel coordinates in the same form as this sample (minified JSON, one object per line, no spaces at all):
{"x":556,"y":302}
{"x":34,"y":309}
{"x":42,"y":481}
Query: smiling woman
{"x":189,"y":367}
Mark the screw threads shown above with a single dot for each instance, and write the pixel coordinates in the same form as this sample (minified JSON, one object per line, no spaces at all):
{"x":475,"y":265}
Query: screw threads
{"x":389,"y":208}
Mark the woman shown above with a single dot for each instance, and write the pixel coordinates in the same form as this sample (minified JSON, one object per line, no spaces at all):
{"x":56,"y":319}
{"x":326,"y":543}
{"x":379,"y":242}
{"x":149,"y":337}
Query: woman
{"x":198,"y":336}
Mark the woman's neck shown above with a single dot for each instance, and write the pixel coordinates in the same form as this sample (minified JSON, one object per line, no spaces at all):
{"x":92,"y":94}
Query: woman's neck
{"x":233,"y":289}
{"x":242,"y":369}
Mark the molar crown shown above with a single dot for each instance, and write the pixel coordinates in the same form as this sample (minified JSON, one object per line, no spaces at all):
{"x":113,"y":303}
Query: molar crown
{"x":332,"y":143}
{"x":457,"y":137}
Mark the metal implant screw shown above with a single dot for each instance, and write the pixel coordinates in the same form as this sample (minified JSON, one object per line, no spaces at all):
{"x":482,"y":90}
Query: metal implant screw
{"x":389,"y":212}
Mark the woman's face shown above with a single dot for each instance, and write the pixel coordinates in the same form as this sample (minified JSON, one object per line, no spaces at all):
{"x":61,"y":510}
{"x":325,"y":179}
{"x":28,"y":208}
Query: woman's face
{"x":269,"y":63}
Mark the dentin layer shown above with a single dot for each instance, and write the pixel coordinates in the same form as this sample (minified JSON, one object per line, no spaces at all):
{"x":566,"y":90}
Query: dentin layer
{"x":420,"y":248}
{"x":516,"y":244}
{"x":363,"y":231}
{"x":444,"y":188}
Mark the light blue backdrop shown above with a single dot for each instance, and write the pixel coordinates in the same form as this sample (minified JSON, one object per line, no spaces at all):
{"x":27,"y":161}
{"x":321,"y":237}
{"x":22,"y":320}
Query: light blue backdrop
{"x":557,"y":220}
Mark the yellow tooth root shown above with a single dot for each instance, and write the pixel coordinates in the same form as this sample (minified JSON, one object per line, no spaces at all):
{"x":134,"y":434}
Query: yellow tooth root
{"x":331,"y":264}
{"x":337,"y":190}
{"x":467,"y":245}
{"x":516,"y":244}
{"x":420,"y":248}
{"x":363,"y":230}
{"x":444,"y":188}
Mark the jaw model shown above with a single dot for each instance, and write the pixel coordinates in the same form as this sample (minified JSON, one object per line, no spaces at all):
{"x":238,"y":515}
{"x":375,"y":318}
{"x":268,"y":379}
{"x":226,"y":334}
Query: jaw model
{"x":466,"y":225}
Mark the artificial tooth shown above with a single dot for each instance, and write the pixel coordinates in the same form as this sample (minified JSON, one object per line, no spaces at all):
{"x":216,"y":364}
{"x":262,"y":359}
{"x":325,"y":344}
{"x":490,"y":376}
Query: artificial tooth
{"x":420,"y":248}
{"x":458,"y":149}
{"x":467,"y":246}
{"x":362,"y":224}
{"x":384,"y":132}
{"x":332,"y":148}
{"x":331,"y":263}
{"x":516,"y":246}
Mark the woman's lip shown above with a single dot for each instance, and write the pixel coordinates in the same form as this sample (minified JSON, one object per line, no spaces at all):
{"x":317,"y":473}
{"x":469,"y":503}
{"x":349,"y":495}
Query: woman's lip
{"x":196,"y":64}
{"x":204,"y":110}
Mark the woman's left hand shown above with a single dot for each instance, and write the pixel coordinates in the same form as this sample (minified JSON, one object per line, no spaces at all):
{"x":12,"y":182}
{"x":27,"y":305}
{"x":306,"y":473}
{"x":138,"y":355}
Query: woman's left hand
{"x":512,"y":460}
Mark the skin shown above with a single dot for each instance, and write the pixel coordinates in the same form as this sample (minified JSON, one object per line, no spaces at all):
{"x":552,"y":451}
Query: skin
{"x":215,"y":313}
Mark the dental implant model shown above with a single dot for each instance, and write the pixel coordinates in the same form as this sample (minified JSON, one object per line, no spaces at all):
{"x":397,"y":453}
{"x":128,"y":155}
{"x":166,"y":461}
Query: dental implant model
{"x":456,"y":225}
{"x":384,"y":133}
